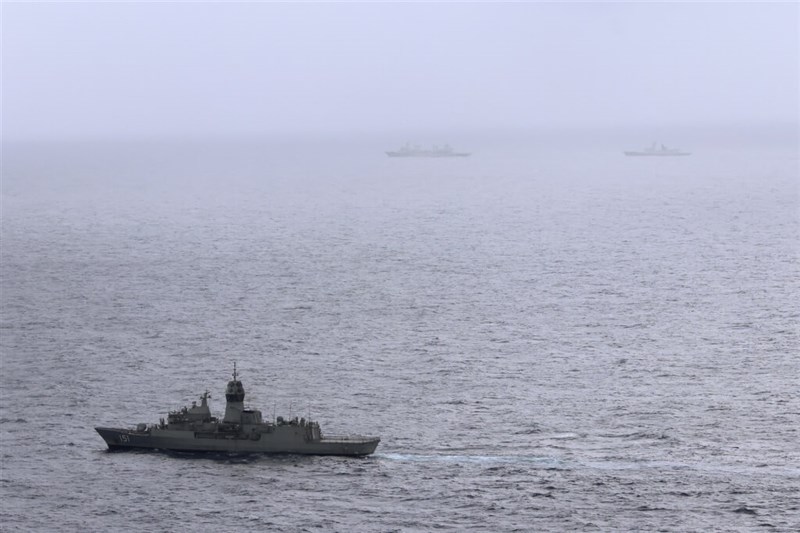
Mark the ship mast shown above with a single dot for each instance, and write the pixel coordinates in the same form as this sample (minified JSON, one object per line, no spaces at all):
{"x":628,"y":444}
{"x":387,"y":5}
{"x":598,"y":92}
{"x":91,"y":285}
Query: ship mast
{"x":234,"y":397}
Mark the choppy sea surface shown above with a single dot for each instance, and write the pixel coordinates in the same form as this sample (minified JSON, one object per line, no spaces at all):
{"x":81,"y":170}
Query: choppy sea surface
{"x":546,"y":339}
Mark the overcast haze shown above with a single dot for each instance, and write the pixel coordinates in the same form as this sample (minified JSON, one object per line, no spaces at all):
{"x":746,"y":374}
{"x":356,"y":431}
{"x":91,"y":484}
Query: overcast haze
{"x":205,"y":69}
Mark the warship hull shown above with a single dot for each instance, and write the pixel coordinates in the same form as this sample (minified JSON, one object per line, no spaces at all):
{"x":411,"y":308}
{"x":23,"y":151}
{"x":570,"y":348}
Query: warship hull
{"x":427,"y":154}
{"x":281,"y":440}
{"x":656,"y":154}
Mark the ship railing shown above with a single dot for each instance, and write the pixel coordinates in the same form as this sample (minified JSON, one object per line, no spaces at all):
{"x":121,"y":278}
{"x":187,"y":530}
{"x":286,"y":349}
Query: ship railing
{"x":346,"y":438}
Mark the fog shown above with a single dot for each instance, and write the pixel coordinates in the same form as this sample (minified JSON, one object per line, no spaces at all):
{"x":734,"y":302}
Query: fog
{"x":195,"y":70}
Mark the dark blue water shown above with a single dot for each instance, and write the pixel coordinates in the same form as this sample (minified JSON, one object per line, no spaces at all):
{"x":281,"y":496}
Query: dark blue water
{"x":545,"y":339}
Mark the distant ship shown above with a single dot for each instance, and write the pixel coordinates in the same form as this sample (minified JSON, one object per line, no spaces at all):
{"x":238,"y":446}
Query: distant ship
{"x":193,"y":429}
{"x":658,"y":151}
{"x":413,"y":150}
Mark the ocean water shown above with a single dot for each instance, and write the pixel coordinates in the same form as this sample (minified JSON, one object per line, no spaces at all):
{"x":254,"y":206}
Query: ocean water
{"x":546,"y":338}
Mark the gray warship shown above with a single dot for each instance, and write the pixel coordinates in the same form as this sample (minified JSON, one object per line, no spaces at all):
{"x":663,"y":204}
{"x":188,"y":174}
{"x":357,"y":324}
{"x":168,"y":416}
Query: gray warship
{"x":654,"y":150}
{"x":193,"y":429}
{"x":413,"y":150}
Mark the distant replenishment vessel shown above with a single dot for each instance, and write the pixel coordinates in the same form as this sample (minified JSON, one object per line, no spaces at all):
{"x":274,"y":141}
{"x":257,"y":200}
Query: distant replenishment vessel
{"x":662,"y":150}
{"x":413,"y":150}
{"x":193,"y":429}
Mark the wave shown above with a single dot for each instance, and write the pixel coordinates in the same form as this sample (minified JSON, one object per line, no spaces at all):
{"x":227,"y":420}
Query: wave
{"x":548,"y":462}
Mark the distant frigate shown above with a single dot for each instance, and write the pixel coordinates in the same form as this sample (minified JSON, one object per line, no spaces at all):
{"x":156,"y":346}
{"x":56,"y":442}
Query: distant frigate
{"x":654,"y":150}
{"x":193,"y":429}
{"x":413,"y":150}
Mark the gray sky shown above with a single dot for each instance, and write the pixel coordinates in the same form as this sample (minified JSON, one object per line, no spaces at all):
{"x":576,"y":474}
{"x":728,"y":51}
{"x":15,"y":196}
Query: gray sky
{"x":73,"y":70}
